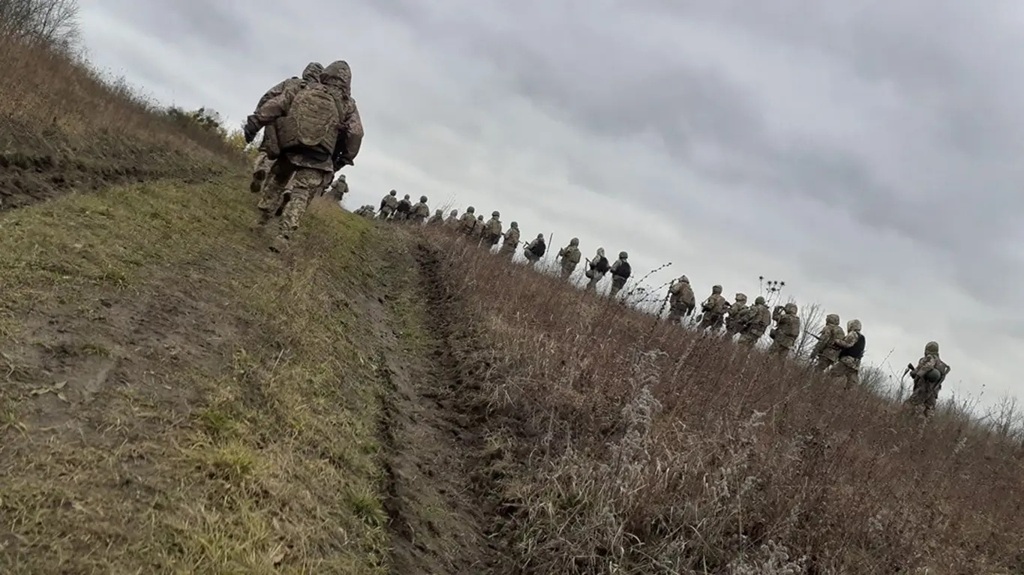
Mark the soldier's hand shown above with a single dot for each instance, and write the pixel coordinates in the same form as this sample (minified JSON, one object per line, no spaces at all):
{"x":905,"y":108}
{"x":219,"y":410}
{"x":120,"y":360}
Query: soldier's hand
{"x":250,"y":130}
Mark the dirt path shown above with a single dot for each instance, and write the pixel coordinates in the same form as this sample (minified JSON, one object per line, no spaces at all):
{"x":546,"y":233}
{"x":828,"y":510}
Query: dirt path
{"x":439,"y":515}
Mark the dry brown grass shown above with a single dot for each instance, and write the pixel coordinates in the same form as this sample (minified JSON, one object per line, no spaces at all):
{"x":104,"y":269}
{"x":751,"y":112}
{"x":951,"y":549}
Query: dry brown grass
{"x":62,"y":127}
{"x":632,"y":446}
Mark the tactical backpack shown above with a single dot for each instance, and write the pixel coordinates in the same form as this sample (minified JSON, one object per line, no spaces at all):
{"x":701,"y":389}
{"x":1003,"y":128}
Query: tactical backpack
{"x":602,"y":265}
{"x":539,"y":250}
{"x":312,"y":120}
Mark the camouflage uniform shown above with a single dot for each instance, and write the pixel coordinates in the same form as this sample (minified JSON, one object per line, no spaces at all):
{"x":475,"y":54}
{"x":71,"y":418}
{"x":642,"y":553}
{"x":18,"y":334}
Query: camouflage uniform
{"x":620,"y":270}
{"x":570,"y":256}
{"x":732,"y":323}
{"x":453,"y":219}
{"x":492,"y":230}
{"x":339,"y":188}
{"x":535,"y":250}
{"x":436,"y":219}
{"x":404,"y":209}
{"x":596,"y":269}
{"x":268,"y":147}
{"x":928,"y":377}
{"x":681,"y":300}
{"x":420,"y":212}
{"x":366,"y":211}
{"x":851,"y":351}
{"x":308,"y":167}
{"x":510,"y":240}
{"x":467,"y":224}
{"x":388,"y":204}
{"x":827,"y":353}
{"x":714,"y":309}
{"x":787,"y":330}
{"x":754,"y":321}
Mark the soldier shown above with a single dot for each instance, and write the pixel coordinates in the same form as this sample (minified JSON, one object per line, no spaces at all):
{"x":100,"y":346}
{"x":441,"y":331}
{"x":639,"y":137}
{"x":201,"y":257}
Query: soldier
{"x":928,"y":377}
{"x":366,"y":211}
{"x":732,"y":323}
{"x":535,"y":250}
{"x":492,"y":230}
{"x":388,"y":205}
{"x":420,"y":212}
{"x":510,"y":240}
{"x":681,"y":300}
{"x":404,"y":208}
{"x":787,"y":329}
{"x":570,"y":256}
{"x":478,"y":230}
{"x":318,"y":129}
{"x":269,"y":148}
{"x":714,"y":309}
{"x":620,"y":271}
{"x":453,"y":219}
{"x":851,"y":351}
{"x":338,"y":189}
{"x":596,"y":269}
{"x":467,"y":224}
{"x":754,"y":321}
{"x":827,"y":353}
{"x":436,"y":219}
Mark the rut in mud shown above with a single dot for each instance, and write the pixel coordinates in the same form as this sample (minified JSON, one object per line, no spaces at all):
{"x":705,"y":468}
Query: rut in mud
{"x":438,"y":506}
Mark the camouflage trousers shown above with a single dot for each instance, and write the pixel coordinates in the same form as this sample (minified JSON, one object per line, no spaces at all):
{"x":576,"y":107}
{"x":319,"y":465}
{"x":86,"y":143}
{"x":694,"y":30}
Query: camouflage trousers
{"x":260,"y":171}
{"x":749,"y":339}
{"x":508,"y":250}
{"x":385,"y":212}
{"x":289,"y":189}
{"x":824,"y":363}
{"x":592,"y":282}
{"x":779,"y":349}
{"x":925,"y":394}
{"x":567,"y":270}
{"x":617,"y":285}
{"x":713,"y":322}
{"x":677,"y":312}
{"x":847,"y":369}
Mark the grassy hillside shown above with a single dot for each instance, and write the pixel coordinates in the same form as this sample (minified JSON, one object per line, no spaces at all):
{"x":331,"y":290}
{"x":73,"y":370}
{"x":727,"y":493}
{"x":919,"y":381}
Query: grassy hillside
{"x":63,"y":128}
{"x":626,"y":445}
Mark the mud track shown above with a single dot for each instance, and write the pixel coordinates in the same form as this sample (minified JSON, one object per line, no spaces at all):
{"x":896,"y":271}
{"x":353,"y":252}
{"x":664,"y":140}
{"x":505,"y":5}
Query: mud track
{"x":438,"y":503}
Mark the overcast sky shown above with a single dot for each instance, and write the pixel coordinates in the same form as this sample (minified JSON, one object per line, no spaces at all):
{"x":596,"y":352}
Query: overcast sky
{"x":868,"y":153}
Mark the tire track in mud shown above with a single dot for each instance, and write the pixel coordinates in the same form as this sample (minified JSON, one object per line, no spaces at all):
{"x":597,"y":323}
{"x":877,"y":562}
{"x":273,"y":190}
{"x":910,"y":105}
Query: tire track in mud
{"x":438,"y":509}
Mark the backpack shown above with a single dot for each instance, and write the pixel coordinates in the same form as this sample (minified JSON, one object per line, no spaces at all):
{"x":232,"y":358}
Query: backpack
{"x":539,"y":249}
{"x":312,"y":120}
{"x":624,"y":271}
{"x":602,"y":265}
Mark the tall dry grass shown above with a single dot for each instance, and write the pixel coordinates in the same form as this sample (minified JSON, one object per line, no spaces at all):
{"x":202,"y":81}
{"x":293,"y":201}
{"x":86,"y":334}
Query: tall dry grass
{"x":57,"y":114}
{"x":634,"y":446}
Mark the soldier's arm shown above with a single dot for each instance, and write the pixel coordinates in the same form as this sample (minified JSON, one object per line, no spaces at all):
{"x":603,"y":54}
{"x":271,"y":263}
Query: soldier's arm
{"x":350,"y":139}
{"x":272,"y":93}
{"x":848,"y":341}
{"x":924,"y":365}
{"x":274,"y":108}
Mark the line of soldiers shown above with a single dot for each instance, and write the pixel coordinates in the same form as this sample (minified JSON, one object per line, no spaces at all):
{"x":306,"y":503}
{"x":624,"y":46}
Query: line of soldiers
{"x":311,"y":130}
{"x":837,"y":353}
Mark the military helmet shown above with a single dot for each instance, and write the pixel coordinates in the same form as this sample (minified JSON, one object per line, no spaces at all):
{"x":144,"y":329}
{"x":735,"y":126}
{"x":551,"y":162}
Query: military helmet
{"x":438,"y":212}
{"x":495,"y":213}
{"x":832,"y":319}
{"x":574,"y":242}
{"x":853,"y":325}
{"x":741,"y":297}
{"x":480,"y":217}
{"x":470,"y":210}
{"x":623,"y":256}
{"x":406,"y":196}
{"x":684,"y":279}
{"x":454,"y":212}
{"x":540,"y":236}
{"x":515,"y":225}
{"x":600,"y":252}
{"x":791,"y":308}
{"x":931,"y":347}
{"x":341,"y":177}
{"x":423,"y":199}
{"x":313,"y":72}
{"x":716,"y":289}
{"x":759,"y":300}
{"x":394,"y":192}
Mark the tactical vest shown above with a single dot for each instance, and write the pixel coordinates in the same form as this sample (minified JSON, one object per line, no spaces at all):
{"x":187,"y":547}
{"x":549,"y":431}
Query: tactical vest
{"x":539,"y":249}
{"x":623,"y":271}
{"x":856,"y":350}
{"x":312,"y":120}
{"x":601,"y":265}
